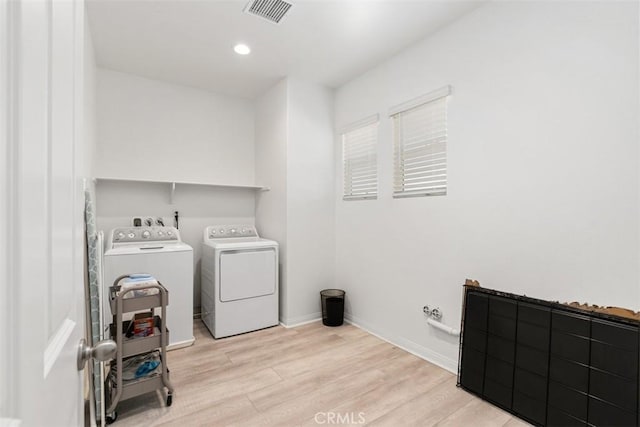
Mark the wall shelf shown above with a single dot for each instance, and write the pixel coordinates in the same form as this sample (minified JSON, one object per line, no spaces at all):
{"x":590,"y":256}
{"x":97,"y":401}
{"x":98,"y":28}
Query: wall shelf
{"x":173,"y":184}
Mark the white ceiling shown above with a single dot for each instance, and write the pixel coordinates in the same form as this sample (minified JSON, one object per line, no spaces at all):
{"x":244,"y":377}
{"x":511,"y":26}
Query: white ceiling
{"x":191,"y":42}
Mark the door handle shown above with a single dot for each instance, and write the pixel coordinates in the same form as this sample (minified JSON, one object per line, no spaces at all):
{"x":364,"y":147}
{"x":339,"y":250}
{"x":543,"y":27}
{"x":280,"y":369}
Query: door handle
{"x":102,"y":351}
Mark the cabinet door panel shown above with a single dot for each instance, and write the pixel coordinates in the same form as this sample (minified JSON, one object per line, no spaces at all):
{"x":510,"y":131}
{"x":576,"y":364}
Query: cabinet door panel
{"x":472,"y":370}
{"x":499,"y":371}
{"x":570,"y":374}
{"x":530,"y":384}
{"x":604,"y":414}
{"x":568,"y":400}
{"x":530,"y":408}
{"x":570,"y":347}
{"x":475,"y":339}
{"x":614,"y":389}
{"x":533,"y":335}
{"x":532,"y":360}
{"x":477,"y":308}
{"x":570,"y":323}
{"x":615,"y":360}
{"x":534,"y":314}
{"x":502,"y":326}
{"x":557,"y":418}
{"x":617,"y":334}
{"x":504,"y":307}
{"x":497,"y":393}
{"x":501,"y":348}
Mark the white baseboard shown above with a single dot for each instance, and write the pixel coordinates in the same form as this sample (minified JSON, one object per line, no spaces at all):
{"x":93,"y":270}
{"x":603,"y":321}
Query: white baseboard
{"x":422,"y":352}
{"x":181,"y":344}
{"x":301,"y":320}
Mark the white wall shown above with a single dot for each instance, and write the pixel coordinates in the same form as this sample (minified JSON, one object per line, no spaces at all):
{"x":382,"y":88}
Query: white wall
{"x":294,"y":156}
{"x":310,"y":194}
{"x":7,"y":352}
{"x":89,"y":122}
{"x":542,"y":169}
{"x":271,"y":171}
{"x":154,"y":130}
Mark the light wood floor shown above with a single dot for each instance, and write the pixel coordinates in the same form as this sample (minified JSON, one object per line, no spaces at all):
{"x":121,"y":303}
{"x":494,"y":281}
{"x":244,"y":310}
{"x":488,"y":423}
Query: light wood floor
{"x":296,"y":377}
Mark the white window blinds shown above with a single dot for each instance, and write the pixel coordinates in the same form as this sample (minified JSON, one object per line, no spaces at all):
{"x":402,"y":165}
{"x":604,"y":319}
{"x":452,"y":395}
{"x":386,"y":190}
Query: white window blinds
{"x":420,"y":145}
{"x":360,"y":160}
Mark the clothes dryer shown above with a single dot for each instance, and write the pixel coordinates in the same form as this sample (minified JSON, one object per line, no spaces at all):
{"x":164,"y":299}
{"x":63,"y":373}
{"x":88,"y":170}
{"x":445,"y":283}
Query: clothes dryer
{"x":239,"y":280}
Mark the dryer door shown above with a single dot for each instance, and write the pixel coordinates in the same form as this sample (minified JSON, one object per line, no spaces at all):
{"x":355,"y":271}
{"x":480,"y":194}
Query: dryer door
{"x":247,"y":274}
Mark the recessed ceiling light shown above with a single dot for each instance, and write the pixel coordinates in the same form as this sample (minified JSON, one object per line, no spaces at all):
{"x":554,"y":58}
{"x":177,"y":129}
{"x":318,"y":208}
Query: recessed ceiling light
{"x":242,"y":49}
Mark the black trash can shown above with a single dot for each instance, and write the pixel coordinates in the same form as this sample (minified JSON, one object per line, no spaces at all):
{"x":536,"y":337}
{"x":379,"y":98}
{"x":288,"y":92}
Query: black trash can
{"x":332,"y":307}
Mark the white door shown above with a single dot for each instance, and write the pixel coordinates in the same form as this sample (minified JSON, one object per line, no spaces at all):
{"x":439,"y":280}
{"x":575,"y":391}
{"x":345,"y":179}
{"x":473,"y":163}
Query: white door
{"x":42,"y":202}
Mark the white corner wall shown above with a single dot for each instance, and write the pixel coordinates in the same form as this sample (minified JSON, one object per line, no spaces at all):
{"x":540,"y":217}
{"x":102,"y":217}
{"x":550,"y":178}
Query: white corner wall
{"x":543,"y":167}
{"x":310,"y":191}
{"x":271,"y":171}
{"x":154,"y":130}
{"x":294,"y":157}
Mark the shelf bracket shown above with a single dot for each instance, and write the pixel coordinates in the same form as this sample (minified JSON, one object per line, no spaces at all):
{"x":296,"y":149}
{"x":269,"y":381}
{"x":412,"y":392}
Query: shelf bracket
{"x":173,"y":193}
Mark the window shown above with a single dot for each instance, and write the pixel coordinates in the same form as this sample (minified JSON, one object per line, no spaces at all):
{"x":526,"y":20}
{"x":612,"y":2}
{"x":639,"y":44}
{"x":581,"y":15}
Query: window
{"x":420,"y":145}
{"x":360,"y":159}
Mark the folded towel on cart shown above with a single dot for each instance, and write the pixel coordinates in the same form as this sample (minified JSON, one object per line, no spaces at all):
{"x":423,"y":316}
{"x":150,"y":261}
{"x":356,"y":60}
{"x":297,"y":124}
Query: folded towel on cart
{"x":136,"y":281}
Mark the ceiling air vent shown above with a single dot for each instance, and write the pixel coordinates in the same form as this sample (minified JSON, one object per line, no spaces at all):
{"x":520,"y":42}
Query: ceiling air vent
{"x":271,"y":10}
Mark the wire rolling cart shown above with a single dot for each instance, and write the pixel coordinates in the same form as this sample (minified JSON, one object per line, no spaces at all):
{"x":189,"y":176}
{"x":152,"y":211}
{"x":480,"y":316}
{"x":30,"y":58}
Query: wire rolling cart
{"x":116,"y":388}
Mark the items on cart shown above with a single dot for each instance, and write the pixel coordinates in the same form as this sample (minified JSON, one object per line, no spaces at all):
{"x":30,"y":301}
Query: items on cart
{"x":141,"y":366}
{"x":136,"y":285}
{"x":141,"y":325}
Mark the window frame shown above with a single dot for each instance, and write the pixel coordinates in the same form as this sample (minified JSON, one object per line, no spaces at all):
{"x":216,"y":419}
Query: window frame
{"x":396,"y":114}
{"x":370,"y":153}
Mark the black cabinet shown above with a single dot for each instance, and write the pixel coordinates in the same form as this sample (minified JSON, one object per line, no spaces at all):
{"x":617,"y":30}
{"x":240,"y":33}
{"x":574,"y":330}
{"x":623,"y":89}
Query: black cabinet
{"x":548,"y":363}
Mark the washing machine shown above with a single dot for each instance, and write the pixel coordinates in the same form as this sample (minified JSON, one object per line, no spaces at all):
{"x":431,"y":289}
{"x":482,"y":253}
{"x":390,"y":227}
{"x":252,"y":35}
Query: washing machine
{"x":239,"y":280}
{"x":160,"y":252}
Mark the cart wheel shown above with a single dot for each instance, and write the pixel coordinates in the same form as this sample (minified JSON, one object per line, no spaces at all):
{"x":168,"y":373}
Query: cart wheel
{"x":110,"y":419}
{"x":169,"y":399}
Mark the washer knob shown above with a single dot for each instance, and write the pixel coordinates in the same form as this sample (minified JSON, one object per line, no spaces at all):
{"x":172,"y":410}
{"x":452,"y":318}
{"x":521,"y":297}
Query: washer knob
{"x":131,"y":235}
{"x":169,"y":233}
{"x":146,"y":234}
{"x":160,"y":233}
{"x":233,"y":231}
{"x":120,"y":236}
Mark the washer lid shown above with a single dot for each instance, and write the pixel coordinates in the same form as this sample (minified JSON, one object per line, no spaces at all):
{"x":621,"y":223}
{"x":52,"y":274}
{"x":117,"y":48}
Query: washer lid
{"x":147,"y":248}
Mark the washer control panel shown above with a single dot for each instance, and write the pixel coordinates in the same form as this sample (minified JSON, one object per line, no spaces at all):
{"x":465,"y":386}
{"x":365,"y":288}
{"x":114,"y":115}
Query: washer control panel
{"x":229,"y":231}
{"x":144,"y":234}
